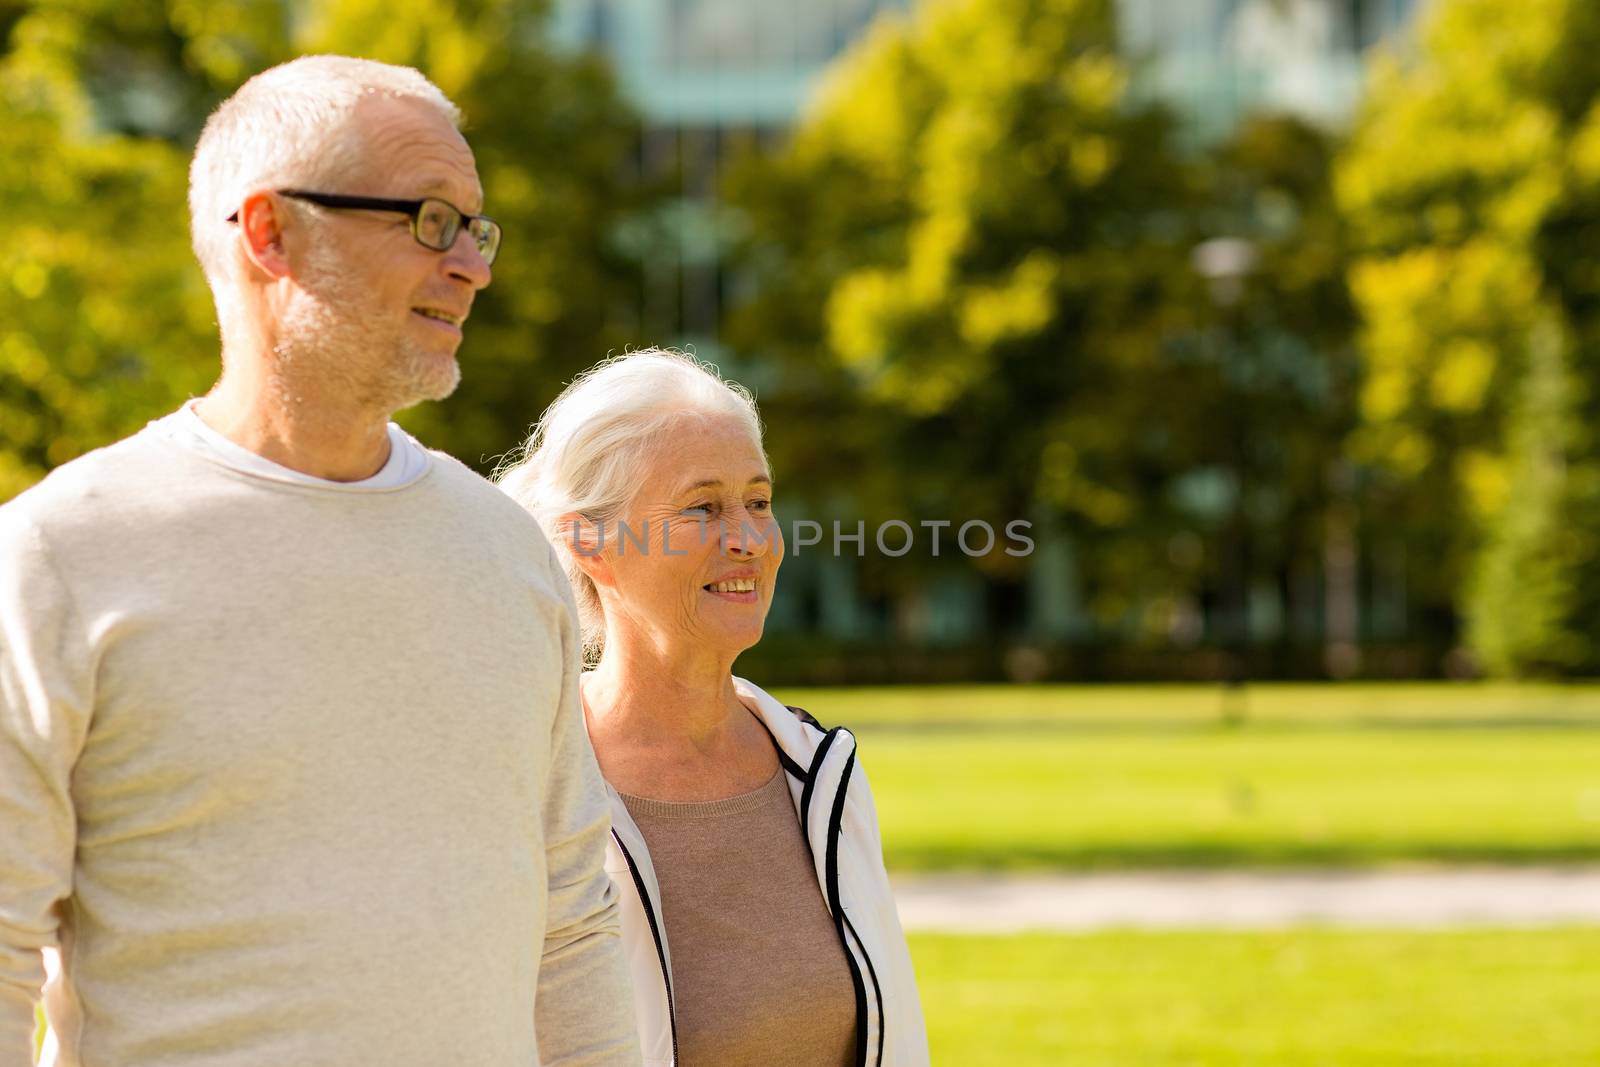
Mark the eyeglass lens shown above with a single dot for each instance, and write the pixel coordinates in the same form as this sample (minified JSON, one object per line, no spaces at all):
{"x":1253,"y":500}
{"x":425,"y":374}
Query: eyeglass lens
{"x":438,"y":224}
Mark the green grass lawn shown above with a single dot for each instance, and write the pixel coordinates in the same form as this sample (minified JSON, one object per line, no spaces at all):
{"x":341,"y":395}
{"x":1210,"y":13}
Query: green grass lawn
{"x":1143,"y":706}
{"x":1103,"y":777}
{"x":1302,"y":998}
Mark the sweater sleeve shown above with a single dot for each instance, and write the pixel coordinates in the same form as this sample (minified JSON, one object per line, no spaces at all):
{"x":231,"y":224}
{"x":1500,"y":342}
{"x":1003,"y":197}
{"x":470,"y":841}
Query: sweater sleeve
{"x":46,"y":693}
{"x":585,"y":1015}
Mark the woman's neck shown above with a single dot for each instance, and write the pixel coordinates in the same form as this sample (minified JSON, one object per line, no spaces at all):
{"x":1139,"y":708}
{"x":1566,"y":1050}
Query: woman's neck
{"x":668,"y":725}
{"x":660,"y":696}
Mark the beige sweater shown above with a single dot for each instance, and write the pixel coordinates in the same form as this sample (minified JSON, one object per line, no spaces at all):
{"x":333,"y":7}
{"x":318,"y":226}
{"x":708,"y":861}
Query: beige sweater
{"x":296,"y":775}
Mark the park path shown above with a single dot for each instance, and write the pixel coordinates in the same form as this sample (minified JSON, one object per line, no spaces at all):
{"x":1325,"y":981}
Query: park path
{"x":1413,"y":898}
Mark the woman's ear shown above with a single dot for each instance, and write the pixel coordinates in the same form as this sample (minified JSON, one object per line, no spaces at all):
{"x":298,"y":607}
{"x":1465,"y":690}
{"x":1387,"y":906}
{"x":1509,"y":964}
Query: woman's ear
{"x":587,"y":542}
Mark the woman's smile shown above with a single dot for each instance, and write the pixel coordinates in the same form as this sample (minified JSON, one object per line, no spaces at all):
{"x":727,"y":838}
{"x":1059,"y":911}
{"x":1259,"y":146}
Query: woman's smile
{"x":740,"y":589}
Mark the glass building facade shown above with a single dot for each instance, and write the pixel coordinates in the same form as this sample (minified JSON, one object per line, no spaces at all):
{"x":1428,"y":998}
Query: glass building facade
{"x":746,"y":63}
{"x":708,"y":63}
{"x":1216,"y":60}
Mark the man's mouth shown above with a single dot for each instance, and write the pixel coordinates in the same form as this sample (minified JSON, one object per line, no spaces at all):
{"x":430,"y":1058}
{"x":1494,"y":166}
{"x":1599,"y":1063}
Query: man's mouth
{"x":441,"y":316}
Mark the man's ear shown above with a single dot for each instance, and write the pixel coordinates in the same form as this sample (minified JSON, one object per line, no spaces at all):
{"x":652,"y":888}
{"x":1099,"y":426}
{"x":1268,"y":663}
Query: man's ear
{"x":261,"y":223}
{"x":587,"y":542}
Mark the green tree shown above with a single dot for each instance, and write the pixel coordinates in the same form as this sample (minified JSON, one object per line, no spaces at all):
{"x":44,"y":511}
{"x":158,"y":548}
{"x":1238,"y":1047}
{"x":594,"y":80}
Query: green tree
{"x":971,"y":270}
{"x":1520,"y":606}
{"x":108,"y":320}
{"x":969,"y":241}
{"x":104,"y":313}
{"x":1274,"y":412}
{"x":1473,"y":186}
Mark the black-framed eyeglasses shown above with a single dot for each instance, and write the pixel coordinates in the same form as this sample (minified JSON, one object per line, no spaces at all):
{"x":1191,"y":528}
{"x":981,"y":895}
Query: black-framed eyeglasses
{"x":435,"y":223}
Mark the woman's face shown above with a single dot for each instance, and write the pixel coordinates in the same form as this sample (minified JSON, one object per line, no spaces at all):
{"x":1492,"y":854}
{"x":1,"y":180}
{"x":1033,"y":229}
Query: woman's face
{"x":703,"y":512}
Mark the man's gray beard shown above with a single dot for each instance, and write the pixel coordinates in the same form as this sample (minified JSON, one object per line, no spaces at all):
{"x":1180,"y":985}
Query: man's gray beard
{"x":335,"y":348}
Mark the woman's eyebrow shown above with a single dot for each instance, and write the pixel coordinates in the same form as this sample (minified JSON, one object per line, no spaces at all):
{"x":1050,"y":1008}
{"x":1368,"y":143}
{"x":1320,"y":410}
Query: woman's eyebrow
{"x":713,"y":483}
{"x":708,"y":483}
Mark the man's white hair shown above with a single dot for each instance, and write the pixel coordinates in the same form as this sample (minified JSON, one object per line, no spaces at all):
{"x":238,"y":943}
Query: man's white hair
{"x":594,"y":445}
{"x":287,"y":126}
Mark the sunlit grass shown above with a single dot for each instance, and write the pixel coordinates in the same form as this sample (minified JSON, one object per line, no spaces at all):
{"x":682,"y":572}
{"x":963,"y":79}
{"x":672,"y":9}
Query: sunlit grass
{"x":1299,"y":998}
{"x":1304,"y":781}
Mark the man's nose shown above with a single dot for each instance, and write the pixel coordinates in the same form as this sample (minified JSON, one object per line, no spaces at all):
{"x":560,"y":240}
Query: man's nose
{"x":465,"y":261}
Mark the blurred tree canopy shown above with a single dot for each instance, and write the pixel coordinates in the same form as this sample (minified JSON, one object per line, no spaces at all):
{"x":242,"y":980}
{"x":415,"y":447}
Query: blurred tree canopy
{"x":1473,"y":189}
{"x":973,"y":268}
{"x":107,"y":319}
{"x":967,"y":250}
{"x":981,"y":281}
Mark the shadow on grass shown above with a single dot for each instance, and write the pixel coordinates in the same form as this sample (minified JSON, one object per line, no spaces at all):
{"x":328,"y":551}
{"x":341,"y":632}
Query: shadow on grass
{"x":1068,"y":858}
{"x":1202,"y":725}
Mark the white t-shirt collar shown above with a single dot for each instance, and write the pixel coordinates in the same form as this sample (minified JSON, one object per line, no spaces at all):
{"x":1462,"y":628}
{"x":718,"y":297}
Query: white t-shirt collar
{"x":407,"y":462}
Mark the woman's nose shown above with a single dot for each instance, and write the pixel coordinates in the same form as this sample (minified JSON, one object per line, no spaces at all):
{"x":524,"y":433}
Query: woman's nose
{"x":745,"y":537}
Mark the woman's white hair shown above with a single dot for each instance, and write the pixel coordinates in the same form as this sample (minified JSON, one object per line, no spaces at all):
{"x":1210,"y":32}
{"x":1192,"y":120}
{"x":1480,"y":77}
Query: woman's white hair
{"x":591,"y":447}
{"x":287,"y":126}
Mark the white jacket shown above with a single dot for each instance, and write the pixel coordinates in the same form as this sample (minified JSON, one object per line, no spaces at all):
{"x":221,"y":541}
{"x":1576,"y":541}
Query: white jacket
{"x":840,"y":825}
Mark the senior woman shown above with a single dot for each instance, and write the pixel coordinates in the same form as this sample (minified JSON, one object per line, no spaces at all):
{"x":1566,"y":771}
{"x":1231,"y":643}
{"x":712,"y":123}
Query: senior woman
{"x":756,"y":914}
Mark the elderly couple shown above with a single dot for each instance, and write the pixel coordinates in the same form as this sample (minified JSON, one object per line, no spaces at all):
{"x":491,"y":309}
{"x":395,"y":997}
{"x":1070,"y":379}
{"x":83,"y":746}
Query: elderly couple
{"x":296,"y":762}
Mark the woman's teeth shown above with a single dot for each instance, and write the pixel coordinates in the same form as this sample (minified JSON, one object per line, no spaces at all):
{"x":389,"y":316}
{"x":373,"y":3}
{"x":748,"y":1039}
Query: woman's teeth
{"x":737,"y":585}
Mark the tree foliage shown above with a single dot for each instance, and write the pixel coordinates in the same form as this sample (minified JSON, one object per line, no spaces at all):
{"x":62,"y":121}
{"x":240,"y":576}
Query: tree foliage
{"x":957,"y":262}
{"x":107,"y":320}
{"x":972,"y":267}
{"x":1521,"y":603}
{"x":1473,"y":185}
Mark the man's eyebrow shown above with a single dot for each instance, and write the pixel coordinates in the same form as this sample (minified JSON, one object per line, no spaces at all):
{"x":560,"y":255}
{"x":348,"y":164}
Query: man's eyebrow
{"x":442,"y":191}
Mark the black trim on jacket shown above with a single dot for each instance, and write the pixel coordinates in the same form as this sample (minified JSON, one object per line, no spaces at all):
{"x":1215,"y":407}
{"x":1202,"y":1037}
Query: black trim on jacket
{"x":806,"y":717}
{"x":841,"y":921}
{"x":795,"y":770}
{"x":811,"y":782}
{"x":877,"y":986}
{"x":655,"y":932}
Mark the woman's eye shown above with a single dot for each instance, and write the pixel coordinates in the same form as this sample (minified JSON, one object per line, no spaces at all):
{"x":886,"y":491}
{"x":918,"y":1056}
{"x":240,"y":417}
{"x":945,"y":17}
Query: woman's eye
{"x":697,"y":510}
{"x":761,"y":505}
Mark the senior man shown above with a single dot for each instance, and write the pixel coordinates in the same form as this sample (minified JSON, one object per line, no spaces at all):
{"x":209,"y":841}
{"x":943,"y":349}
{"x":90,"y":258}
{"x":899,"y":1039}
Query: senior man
{"x":292,"y":762}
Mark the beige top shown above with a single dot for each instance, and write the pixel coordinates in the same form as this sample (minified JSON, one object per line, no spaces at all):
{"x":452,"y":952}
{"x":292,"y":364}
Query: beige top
{"x":758,"y":976}
{"x":296,"y":774}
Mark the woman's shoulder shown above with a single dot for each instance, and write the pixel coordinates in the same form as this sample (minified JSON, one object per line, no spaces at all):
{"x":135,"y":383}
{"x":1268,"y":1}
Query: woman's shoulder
{"x":806,"y":717}
{"x":771,"y":708}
